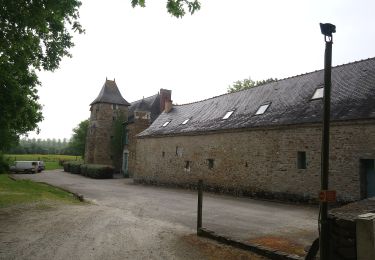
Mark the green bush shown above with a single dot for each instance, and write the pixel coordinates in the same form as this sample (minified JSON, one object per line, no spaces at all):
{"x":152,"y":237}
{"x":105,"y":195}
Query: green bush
{"x":66,"y":166}
{"x":84,"y":169}
{"x":4,"y":163}
{"x":72,"y":167}
{"x":75,"y":167}
{"x":98,"y":171}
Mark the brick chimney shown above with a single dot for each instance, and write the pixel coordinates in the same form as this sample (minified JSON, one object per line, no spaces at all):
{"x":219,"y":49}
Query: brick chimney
{"x":165,"y":95}
{"x":168,"y":106}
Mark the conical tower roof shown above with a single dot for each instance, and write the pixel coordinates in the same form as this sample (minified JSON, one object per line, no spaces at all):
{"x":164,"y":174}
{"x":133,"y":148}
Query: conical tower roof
{"x":110,"y":94}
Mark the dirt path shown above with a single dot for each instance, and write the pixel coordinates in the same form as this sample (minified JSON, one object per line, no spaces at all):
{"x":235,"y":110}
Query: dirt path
{"x":128,"y":221}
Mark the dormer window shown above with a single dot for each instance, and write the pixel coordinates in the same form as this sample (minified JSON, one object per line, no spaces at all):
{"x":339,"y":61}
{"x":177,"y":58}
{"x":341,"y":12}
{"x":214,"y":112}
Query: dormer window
{"x":262,"y":109}
{"x":186,"y":120}
{"x":318,"y":94}
{"x":228,"y":114}
{"x":166,"y":123}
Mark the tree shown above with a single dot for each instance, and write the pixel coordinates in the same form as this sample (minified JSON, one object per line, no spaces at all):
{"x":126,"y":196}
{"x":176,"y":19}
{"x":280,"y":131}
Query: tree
{"x":176,"y":8}
{"x":248,"y":83}
{"x":78,"y":141}
{"x":34,"y":35}
{"x":117,"y":142}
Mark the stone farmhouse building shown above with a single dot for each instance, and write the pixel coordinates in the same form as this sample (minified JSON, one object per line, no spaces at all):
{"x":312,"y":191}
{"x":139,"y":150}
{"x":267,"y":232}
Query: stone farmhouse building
{"x":105,"y":109}
{"x":266,"y":141}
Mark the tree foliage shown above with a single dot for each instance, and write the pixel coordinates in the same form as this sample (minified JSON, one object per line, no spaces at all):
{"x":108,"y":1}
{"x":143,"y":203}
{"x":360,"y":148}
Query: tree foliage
{"x":41,"y":146}
{"x":176,"y":8}
{"x":34,"y":35}
{"x":248,"y":83}
{"x":78,"y":141}
{"x":117,"y":142}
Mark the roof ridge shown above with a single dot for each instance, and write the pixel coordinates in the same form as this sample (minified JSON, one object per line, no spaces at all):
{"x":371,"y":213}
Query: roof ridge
{"x":140,"y":100}
{"x":269,"y":83}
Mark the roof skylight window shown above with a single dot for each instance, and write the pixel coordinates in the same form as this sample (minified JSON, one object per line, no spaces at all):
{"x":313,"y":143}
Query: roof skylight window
{"x":186,"y":120}
{"x":228,"y":114}
{"x":262,"y":109}
{"x":319,"y":93}
{"x":166,"y":123}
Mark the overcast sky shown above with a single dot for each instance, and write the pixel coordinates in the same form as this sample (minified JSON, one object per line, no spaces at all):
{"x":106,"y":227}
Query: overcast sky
{"x":198,"y":56}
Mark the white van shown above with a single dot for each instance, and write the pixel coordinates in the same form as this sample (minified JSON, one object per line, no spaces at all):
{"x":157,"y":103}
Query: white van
{"x":25,"y":166}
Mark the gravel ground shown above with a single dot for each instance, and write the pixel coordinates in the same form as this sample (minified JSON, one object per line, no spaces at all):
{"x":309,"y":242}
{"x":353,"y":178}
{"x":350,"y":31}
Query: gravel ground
{"x":126,"y":221}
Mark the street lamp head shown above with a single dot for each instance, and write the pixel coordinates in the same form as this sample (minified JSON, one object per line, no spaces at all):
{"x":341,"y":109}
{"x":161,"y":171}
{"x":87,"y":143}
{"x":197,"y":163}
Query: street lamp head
{"x":327,"y":29}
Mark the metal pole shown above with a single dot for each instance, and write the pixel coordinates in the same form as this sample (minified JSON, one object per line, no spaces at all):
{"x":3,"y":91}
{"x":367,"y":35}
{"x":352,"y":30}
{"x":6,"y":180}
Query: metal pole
{"x":324,"y":234}
{"x":200,"y":204}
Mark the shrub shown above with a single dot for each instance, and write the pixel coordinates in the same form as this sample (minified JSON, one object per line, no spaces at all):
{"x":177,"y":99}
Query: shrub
{"x":4,"y":163}
{"x":98,"y":171}
{"x":75,"y":167}
{"x":66,"y":166}
{"x":84,"y":169}
{"x":72,"y":167}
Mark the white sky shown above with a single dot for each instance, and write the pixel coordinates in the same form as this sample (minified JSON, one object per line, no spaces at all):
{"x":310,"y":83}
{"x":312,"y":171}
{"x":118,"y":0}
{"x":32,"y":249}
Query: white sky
{"x":198,"y":56}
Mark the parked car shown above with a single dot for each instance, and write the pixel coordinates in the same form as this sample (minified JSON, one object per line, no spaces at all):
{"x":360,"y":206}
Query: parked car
{"x":26,"y":167}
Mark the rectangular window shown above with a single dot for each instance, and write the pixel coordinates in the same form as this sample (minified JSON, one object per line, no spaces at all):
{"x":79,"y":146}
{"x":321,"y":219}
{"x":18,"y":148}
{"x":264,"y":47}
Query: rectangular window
{"x":114,"y":106}
{"x":210,"y":163}
{"x":318,"y":94}
{"x":262,"y":109}
{"x":166,"y":123}
{"x":301,"y":160}
{"x":228,"y":114}
{"x":187,"y":165}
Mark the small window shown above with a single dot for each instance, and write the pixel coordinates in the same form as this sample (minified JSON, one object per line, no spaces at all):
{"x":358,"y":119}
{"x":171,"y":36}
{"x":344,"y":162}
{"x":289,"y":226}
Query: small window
{"x":210,"y":163}
{"x":319,"y":93}
{"x":186,"y":120}
{"x":187,"y":165}
{"x":163,"y":154}
{"x":166,"y":123}
{"x":113,"y":118}
{"x":262,"y":109}
{"x":228,"y":114}
{"x":301,"y":160}
{"x":114,"y":106}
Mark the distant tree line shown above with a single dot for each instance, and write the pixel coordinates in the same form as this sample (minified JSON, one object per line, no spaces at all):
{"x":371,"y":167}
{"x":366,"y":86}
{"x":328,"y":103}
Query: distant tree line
{"x":41,"y":146}
{"x":74,"y":146}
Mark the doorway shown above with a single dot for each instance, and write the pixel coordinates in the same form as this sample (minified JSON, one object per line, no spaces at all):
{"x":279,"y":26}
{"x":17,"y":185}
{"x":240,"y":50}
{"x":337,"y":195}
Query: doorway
{"x":367,"y":171}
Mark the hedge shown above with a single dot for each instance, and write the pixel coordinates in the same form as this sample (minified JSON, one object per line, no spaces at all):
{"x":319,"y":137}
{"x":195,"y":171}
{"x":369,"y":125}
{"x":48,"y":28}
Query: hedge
{"x":72,"y":166}
{"x":95,"y":171}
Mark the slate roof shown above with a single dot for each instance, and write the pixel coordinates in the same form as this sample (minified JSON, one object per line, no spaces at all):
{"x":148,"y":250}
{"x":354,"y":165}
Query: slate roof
{"x":110,"y":94}
{"x":150,"y":104}
{"x":352,"y":97}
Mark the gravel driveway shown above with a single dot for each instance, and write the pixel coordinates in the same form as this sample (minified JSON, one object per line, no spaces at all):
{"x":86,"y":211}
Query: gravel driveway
{"x":142,"y":222}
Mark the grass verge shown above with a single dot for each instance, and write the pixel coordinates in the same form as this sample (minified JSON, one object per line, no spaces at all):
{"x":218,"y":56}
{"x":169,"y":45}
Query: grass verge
{"x":26,"y":192}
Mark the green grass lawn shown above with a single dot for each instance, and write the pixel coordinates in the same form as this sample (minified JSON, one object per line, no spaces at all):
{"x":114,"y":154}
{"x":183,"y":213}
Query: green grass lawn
{"x":21,"y":192}
{"x":51,"y":161}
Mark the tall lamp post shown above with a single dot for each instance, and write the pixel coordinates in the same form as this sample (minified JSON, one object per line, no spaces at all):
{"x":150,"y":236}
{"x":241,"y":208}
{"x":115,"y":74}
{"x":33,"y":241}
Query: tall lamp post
{"x":325,"y":195}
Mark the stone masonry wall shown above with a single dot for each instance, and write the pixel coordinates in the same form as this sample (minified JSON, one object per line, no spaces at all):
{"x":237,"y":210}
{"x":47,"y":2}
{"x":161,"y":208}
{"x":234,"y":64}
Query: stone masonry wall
{"x":260,"y":161}
{"x":134,"y":128}
{"x":98,"y":141}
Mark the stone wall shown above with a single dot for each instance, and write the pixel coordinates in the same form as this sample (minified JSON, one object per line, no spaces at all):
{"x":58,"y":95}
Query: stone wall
{"x":343,"y":231}
{"x":98,"y":141}
{"x":260,"y":162}
{"x":133,"y":129}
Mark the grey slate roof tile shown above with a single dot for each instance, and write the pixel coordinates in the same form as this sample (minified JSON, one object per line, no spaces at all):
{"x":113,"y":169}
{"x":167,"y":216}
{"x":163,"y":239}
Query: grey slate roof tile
{"x":352,"y":97}
{"x":151,"y":104}
{"x":110,"y":94}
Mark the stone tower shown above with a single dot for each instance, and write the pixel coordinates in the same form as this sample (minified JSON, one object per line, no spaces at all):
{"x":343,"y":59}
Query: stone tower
{"x":104,"y":110}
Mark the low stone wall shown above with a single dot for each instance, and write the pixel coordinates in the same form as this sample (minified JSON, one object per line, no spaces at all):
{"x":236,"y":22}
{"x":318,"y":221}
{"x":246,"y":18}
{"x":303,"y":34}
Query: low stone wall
{"x":342,"y":228}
